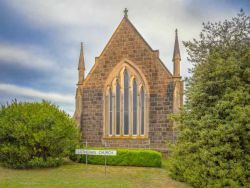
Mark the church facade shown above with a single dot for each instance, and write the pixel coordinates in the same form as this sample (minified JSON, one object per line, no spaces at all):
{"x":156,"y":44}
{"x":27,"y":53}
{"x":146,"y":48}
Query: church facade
{"x":124,"y":100}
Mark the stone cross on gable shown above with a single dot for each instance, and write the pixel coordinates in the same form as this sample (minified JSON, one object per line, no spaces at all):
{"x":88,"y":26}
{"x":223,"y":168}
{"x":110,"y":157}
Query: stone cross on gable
{"x":125,"y":12}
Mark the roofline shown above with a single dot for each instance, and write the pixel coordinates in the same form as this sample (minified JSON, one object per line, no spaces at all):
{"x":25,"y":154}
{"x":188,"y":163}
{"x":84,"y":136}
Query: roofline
{"x":126,"y":19}
{"x":165,"y":67}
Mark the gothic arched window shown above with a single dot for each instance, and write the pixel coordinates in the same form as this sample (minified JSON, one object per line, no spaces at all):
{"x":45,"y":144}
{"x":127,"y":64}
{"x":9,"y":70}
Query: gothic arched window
{"x":110,"y":113}
{"x":126,"y":102}
{"x":118,"y":108}
{"x":134,"y":107}
{"x":142,"y":96}
{"x":125,"y":106}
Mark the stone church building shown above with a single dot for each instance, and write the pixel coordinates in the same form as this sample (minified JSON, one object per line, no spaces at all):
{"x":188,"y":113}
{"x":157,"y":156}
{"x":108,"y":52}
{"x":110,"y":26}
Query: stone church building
{"x":126,"y":97}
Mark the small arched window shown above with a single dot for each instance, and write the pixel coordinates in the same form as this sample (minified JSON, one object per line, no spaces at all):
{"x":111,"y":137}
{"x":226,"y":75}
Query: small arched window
{"x":118,"y":108}
{"x":126,"y":102}
{"x":142,"y":111}
{"x":134,"y":107}
{"x":110,"y":112}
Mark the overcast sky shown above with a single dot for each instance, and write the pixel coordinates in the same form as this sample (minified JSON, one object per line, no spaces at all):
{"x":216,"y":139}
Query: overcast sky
{"x":40,"y":39}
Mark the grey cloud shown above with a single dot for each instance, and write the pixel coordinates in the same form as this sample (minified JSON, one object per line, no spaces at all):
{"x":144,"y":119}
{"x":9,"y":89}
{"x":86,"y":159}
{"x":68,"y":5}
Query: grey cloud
{"x":39,"y":60}
{"x":29,"y":92}
{"x":93,"y":22}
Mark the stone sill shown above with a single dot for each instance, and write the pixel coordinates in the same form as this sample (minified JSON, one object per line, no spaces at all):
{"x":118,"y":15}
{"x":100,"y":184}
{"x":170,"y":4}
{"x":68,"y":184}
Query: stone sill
{"x":126,"y":138}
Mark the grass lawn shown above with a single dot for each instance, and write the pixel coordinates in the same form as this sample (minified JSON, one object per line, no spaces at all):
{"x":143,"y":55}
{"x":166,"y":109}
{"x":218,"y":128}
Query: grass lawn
{"x":79,"y":175}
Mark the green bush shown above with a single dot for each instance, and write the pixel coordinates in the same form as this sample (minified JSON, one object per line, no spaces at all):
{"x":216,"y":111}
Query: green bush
{"x":213,"y":146}
{"x":36,"y":162}
{"x":35,"y":135}
{"x":124,"y":157}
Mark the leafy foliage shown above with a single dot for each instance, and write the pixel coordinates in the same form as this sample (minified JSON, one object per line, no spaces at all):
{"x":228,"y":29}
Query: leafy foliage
{"x":35,"y":135}
{"x":124,"y":157}
{"x":214,"y":141}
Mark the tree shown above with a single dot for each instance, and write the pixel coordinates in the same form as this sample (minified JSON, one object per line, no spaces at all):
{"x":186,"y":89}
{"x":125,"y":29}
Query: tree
{"x":213,"y":145}
{"x":35,"y":135}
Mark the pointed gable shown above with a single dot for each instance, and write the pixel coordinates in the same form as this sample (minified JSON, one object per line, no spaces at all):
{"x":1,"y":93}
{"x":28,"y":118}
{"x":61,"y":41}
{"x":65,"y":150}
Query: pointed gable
{"x":125,"y":28}
{"x":127,"y":43}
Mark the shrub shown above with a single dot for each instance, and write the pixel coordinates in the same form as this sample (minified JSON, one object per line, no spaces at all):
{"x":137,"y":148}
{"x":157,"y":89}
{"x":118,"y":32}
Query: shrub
{"x":213,"y":146}
{"x":35,"y":135}
{"x":124,"y":157}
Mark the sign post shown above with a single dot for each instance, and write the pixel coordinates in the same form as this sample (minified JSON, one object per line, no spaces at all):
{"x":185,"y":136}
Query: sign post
{"x":104,"y":153}
{"x":105,"y":165}
{"x":105,"y":161}
{"x":86,"y":159}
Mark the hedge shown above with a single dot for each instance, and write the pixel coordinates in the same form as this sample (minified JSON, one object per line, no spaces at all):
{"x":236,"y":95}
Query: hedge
{"x":124,"y":157}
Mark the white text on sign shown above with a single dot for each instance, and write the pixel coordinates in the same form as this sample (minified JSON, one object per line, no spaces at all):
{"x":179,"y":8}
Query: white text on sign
{"x":95,"y":152}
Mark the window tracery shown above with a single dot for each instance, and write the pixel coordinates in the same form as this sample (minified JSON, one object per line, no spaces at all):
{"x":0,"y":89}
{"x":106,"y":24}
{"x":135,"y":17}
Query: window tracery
{"x":126,"y":103}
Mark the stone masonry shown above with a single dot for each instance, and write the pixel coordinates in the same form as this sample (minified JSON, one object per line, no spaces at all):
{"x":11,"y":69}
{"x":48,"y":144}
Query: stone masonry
{"x":165,"y":90}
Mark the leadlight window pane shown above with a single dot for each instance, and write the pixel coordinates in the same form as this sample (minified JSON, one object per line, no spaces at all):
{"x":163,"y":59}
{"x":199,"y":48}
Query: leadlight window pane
{"x":126,"y":103}
{"x":134,"y":107}
{"x":117,"y":108}
{"x":142,"y":111}
{"x":110,"y":112}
